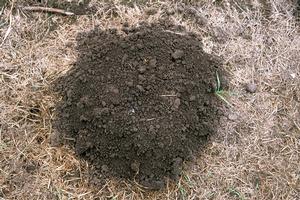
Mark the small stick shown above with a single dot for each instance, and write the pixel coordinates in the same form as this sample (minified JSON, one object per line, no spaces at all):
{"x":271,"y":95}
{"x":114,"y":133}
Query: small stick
{"x":46,"y":9}
{"x":150,"y":119}
{"x":178,"y":33}
{"x":168,"y":95}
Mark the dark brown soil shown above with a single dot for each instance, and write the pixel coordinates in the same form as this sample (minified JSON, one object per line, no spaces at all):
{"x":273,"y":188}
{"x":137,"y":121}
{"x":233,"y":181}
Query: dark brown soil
{"x":139,"y":103}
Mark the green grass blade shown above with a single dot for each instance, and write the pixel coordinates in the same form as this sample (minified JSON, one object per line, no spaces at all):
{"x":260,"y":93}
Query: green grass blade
{"x":223,"y":99}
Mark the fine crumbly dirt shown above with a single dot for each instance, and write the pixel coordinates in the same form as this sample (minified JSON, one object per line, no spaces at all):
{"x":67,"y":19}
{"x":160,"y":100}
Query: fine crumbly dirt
{"x":138,"y":103}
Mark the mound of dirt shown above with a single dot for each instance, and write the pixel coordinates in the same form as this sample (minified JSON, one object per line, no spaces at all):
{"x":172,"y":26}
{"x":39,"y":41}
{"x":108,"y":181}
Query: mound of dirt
{"x":138,"y":103}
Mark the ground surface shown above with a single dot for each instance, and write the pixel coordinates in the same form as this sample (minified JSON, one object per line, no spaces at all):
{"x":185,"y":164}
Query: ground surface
{"x":139,"y":104}
{"x":253,"y":155}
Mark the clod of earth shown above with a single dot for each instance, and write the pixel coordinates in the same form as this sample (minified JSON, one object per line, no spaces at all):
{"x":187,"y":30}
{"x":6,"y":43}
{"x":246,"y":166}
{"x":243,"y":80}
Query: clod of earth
{"x":137,"y":104}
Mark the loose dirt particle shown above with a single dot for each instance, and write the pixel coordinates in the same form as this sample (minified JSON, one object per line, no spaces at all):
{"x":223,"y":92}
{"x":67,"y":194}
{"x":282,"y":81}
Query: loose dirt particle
{"x":137,"y":120}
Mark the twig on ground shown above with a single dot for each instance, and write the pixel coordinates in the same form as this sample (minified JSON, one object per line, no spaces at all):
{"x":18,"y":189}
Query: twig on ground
{"x":178,"y":33}
{"x":46,"y":9}
{"x":168,"y":95}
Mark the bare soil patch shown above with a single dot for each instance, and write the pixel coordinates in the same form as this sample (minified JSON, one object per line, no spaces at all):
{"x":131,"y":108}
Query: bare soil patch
{"x":139,"y":103}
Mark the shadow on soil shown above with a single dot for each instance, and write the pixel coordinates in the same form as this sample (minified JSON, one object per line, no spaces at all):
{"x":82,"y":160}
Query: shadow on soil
{"x":138,"y":103}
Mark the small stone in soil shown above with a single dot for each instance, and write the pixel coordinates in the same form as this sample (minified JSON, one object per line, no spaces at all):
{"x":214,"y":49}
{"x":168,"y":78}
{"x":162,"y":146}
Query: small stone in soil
{"x":140,"y":88}
{"x":192,"y":98}
{"x":251,"y":88}
{"x":135,"y":166}
{"x":232,"y":116}
{"x":152,"y":62}
{"x":142,"y":69}
{"x":104,"y":169}
{"x":177,"y":103}
{"x":141,"y":77}
{"x":178,"y":54}
{"x":130,"y":83}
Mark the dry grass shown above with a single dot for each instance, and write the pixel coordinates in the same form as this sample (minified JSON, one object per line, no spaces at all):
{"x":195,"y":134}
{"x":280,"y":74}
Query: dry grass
{"x":256,"y":153}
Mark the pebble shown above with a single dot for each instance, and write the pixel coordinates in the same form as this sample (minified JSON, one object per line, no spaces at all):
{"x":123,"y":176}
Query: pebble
{"x":141,"y":77}
{"x":170,"y":11}
{"x":104,"y":168}
{"x":135,"y":166}
{"x":69,"y":93}
{"x":130,"y":83}
{"x":192,"y":98}
{"x":251,"y":88}
{"x":142,"y":69}
{"x":178,"y":54}
{"x":232,"y":117}
{"x":115,"y":90}
{"x":151,"y":128}
{"x":139,"y":46}
{"x":153,"y":62}
{"x":140,"y":88}
{"x":83,"y":118}
{"x":177,"y":103}
{"x":103,"y":103}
